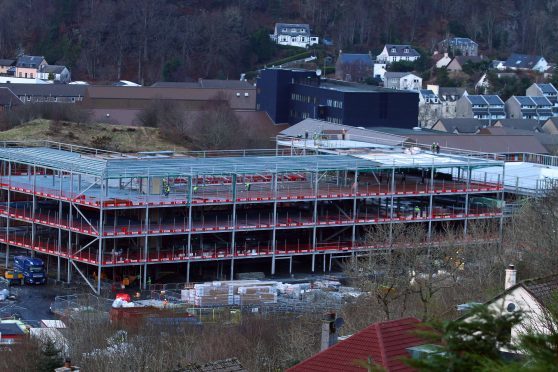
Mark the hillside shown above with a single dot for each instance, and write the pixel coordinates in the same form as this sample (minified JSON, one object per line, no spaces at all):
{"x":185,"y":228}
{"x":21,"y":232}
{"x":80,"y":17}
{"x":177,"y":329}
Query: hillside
{"x":116,"y":138}
{"x":178,"y":40}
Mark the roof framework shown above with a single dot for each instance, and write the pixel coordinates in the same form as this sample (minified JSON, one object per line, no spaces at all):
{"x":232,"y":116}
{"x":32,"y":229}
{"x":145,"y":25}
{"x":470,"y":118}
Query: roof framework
{"x":115,"y":165}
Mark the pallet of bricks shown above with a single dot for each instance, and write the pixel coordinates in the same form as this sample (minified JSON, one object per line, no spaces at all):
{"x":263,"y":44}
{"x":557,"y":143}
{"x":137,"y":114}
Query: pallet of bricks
{"x":239,"y":292}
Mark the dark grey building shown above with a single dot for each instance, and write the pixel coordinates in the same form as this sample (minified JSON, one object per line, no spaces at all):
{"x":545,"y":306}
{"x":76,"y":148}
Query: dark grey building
{"x":289,"y":96}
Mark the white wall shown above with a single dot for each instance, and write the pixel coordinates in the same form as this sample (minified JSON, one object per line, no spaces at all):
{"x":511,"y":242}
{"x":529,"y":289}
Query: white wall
{"x":14,"y":80}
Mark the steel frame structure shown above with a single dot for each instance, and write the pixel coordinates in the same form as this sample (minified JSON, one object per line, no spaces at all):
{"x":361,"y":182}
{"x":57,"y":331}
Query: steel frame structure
{"x":101,"y":209}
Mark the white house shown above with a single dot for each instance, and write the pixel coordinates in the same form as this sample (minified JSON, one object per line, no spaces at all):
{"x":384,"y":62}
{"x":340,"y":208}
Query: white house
{"x":54,"y":73}
{"x":444,"y":61}
{"x":526,"y":62}
{"x":293,"y":34}
{"x":379,"y":70}
{"x":402,"y":81}
{"x":532,"y":296}
{"x":396,"y":53}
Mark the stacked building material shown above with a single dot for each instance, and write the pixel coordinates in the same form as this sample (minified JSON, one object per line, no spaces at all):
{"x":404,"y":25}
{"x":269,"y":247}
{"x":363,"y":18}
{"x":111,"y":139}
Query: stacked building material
{"x":213,"y":294}
{"x":257,"y":295}
{"x":238,"y":292}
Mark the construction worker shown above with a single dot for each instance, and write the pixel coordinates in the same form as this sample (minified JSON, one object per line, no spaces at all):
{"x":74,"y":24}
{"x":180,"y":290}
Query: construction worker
{"x":417,"y":211}
{"x":437,"y":148}
{"x":166,"y":187}
{"x":247,"y":186}
{"x":148,"y":280}
{"x":195,"y":189}
{"x":433,"y":147}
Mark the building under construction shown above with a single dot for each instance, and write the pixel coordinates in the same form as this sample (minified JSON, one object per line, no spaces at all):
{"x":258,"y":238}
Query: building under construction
{"x":96,"y":213}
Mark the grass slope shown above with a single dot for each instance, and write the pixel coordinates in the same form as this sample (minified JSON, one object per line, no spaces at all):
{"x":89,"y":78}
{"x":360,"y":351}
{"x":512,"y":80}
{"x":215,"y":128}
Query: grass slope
{"x":110,"y":137}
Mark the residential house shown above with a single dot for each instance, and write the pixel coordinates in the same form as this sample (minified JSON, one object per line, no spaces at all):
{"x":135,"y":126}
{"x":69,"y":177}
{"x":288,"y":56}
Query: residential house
{"x":498,"y":65}
{"x":448,"y":97}
{"x":380,"y":70}
{"x":483,"y":84}
{"x":547,"y":90}
{"x":524,"y":125}
{"x":7,"y":67}
{"x":451,"y":94}
{"x":59,"y":93}
{"x":395,"y":53}
{"x":529,"y":107}
{"x":56,"y":73}
{"x":487,"y":107}
{"x":430,"y":108}
{"x":28,"y":66}
{"x":443,"y":61}
{"x":550,"y":126}
{"x":458,"y":62}
{"x":8,"y":100}
{"x":533,"y":297}
{"x":526,"y":62}
{"x":459,"y":125}
{"x":385,"y":343}
{"x":402,"y":81}
{"x":293,"y":34}
{"x":354,"y":67}
{"x":459,"y":45}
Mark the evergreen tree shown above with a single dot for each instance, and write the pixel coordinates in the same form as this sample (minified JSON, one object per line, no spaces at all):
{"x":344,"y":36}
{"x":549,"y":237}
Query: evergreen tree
{"x":471,"y":343}
{"x":49,"y":358}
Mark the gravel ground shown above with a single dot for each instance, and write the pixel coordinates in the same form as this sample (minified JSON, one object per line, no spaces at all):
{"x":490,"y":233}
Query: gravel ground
{"x":32,"y":302}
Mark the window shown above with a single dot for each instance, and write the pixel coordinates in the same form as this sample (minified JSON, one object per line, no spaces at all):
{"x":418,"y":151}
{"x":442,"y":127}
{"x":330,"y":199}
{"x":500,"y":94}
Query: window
{"x":406,"y":50}
{"x":393,"y":50}
{"x":31,"y":75}
{"x":20,"y":74}
{"x":284,"y":30}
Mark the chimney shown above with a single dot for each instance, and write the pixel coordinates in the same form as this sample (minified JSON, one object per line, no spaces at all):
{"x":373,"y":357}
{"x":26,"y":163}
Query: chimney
{"x":511,"y":274}
{"x":329,"y":330}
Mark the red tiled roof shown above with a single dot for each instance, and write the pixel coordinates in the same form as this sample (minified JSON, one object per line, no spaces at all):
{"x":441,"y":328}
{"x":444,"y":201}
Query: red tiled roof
{"x":385,"y":342}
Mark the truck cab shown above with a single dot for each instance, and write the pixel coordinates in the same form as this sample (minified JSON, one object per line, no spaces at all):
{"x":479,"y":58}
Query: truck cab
{"x":33,"y":269}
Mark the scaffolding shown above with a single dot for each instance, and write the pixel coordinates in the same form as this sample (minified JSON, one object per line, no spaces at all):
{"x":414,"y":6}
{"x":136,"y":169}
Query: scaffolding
{"x":94,"y":209}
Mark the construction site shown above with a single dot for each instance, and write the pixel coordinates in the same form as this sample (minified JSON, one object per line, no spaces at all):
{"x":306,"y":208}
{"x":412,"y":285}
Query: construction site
{"x":210,"y":215}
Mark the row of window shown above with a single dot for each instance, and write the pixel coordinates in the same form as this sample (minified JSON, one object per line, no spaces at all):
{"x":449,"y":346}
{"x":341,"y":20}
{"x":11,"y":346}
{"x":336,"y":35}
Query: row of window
{"x":332,"y":119}
{"x":489,"y":116}
{"x":295,"y":39}
{"x":302,"y":98}
{"x":293,"y":30}
{"x":334,"y":103}
{"x":21,"y":75}
{"x":49,"y":99}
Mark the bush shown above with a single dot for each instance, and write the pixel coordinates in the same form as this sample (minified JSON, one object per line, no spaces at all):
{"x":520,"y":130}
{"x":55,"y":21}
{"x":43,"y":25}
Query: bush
{"x":101,"y":142}
{"x":48,"y":111}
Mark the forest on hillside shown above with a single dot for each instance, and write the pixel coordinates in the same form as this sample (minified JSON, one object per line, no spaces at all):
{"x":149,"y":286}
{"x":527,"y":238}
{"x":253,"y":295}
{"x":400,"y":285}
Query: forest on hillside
{"x":175,"y":40}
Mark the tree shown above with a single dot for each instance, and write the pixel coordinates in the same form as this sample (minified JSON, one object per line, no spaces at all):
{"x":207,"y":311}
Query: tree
{"x":217,"y":127}
{"x":532,"y":235}
{"x":49,"y":358}
{"x":470,"y":343}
